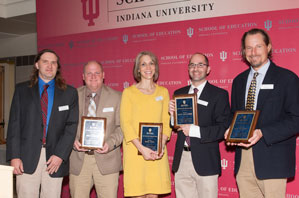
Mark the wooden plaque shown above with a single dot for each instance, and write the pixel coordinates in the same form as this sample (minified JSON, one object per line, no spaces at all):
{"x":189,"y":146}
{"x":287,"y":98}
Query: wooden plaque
{"x":242,"y":126}
{"x":185,"y":110}
{"x":150,"y":135}
{"x":93,"y":130}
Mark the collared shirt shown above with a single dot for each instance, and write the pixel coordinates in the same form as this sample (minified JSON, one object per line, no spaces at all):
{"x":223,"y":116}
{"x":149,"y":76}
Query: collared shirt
{"x":88,"y":95}
{"x":259,"y":80}
{"x":50,"y":91}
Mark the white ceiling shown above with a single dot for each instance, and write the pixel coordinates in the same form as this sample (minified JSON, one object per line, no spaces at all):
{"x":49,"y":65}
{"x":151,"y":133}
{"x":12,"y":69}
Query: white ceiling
{"x":17,"y":18}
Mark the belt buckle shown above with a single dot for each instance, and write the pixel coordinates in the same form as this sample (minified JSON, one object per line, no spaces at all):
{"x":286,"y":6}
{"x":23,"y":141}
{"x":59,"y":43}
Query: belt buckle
{"x":90,"y":152}
{"x":187,"y":148}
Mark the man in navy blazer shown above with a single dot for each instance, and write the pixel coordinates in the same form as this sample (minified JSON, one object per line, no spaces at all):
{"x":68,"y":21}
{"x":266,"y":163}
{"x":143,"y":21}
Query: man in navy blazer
{"x":197,"y":165}
{"x":263,"y":166}
{"x":38,"y":146}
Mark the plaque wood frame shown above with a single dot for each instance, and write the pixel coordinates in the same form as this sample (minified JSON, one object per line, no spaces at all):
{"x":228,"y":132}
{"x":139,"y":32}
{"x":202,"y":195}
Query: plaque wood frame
{"x":84,"y":120}
{"x":249,"y":128}
{"x":159,"y":136}
{"x":193,"y":97}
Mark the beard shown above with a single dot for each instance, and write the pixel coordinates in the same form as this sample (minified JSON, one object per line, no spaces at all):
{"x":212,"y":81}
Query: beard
{"x":256,"y":61}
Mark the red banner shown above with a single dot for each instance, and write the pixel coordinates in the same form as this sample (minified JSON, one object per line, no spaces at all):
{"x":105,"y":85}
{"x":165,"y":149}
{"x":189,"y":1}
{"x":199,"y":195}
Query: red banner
{"x":219,"y":38}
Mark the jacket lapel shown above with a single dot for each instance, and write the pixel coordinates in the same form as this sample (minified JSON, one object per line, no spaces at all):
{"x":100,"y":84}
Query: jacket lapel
{"x":57,"y":95}
{"x":270,"y":78}
{"x":205,"y":92}
{"x":242,"y":89}
{"x":103,"y":97}
{"x":81,"y":98}
{"x":35,"y":96}
{"x":36,"y":99}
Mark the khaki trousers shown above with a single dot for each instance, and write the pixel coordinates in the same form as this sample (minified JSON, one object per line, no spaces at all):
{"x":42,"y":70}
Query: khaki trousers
{"x":189,"y":184}
{"x":251,"y":187}
{"x":106,"y":185}
{"x":39,"y":184}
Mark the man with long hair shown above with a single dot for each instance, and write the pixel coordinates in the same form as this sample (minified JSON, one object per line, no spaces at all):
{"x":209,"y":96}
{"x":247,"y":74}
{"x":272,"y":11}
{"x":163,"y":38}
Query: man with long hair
{"x":42,"y":128}
{"x":263,"y":165}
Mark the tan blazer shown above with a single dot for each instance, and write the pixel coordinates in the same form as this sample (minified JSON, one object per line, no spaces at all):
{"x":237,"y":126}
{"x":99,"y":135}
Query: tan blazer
{"x":110,"y":162}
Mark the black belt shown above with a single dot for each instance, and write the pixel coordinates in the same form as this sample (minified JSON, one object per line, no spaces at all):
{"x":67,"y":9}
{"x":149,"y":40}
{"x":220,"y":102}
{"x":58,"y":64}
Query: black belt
{"x":91,"y":152}
{"x":187,"y":148}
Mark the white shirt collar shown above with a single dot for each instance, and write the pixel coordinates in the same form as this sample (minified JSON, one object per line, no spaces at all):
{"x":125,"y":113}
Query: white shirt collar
{"x":199,"y":87}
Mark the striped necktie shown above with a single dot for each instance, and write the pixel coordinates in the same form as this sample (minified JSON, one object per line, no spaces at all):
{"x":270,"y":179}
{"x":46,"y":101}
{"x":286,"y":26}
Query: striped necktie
{"x":44,"y":106}
{"x":251,"y":93}
{"x":92,"y":106}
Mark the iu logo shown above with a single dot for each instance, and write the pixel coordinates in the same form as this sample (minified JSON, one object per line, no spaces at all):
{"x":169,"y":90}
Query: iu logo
{"x":189,"y":82}
{"x":125,"y":38}
{"x":190,"y":32}
{"x":89,"y":12}
{"x":224,"y":163}
{"x":223,"y":55}
{"x":71,"y":44}
{"x":268,"y":24}
{"x":126,"y":84}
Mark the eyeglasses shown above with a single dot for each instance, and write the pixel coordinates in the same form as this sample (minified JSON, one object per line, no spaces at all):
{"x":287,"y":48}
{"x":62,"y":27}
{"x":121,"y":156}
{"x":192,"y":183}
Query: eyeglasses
{"x":198,"y":65}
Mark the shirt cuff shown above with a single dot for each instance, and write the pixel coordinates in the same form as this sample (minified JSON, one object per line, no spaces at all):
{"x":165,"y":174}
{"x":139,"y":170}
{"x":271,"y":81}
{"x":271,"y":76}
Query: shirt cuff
{"x":172,"y":120}
{"x":194,"y":131}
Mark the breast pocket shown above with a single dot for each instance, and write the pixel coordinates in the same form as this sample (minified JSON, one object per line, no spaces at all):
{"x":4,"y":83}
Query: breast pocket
{"x":271,"y":105}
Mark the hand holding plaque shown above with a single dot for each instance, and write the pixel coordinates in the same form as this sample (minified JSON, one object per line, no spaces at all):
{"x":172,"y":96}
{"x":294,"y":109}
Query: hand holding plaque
{"x":185,"y":110}
{"x":150,"y":136}
{"x":93,"y":131}
{"x":242,"y":126}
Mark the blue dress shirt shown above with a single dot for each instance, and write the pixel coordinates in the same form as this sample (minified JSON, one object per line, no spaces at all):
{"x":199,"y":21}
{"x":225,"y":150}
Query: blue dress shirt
{"x":50,"y":91}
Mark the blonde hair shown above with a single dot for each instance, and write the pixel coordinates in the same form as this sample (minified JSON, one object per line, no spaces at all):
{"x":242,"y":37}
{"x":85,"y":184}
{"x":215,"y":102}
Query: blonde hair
{"x":154,"y":58}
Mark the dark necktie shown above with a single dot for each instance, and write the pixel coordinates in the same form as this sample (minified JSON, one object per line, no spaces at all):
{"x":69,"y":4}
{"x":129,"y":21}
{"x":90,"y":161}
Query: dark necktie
{"x":188,"y":137}
{"x":251,"y":93}
{"x":44,"y":105}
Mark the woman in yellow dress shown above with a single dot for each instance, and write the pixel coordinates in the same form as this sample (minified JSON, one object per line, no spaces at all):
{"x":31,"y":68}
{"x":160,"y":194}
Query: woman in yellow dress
{"x":145,"y":175}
